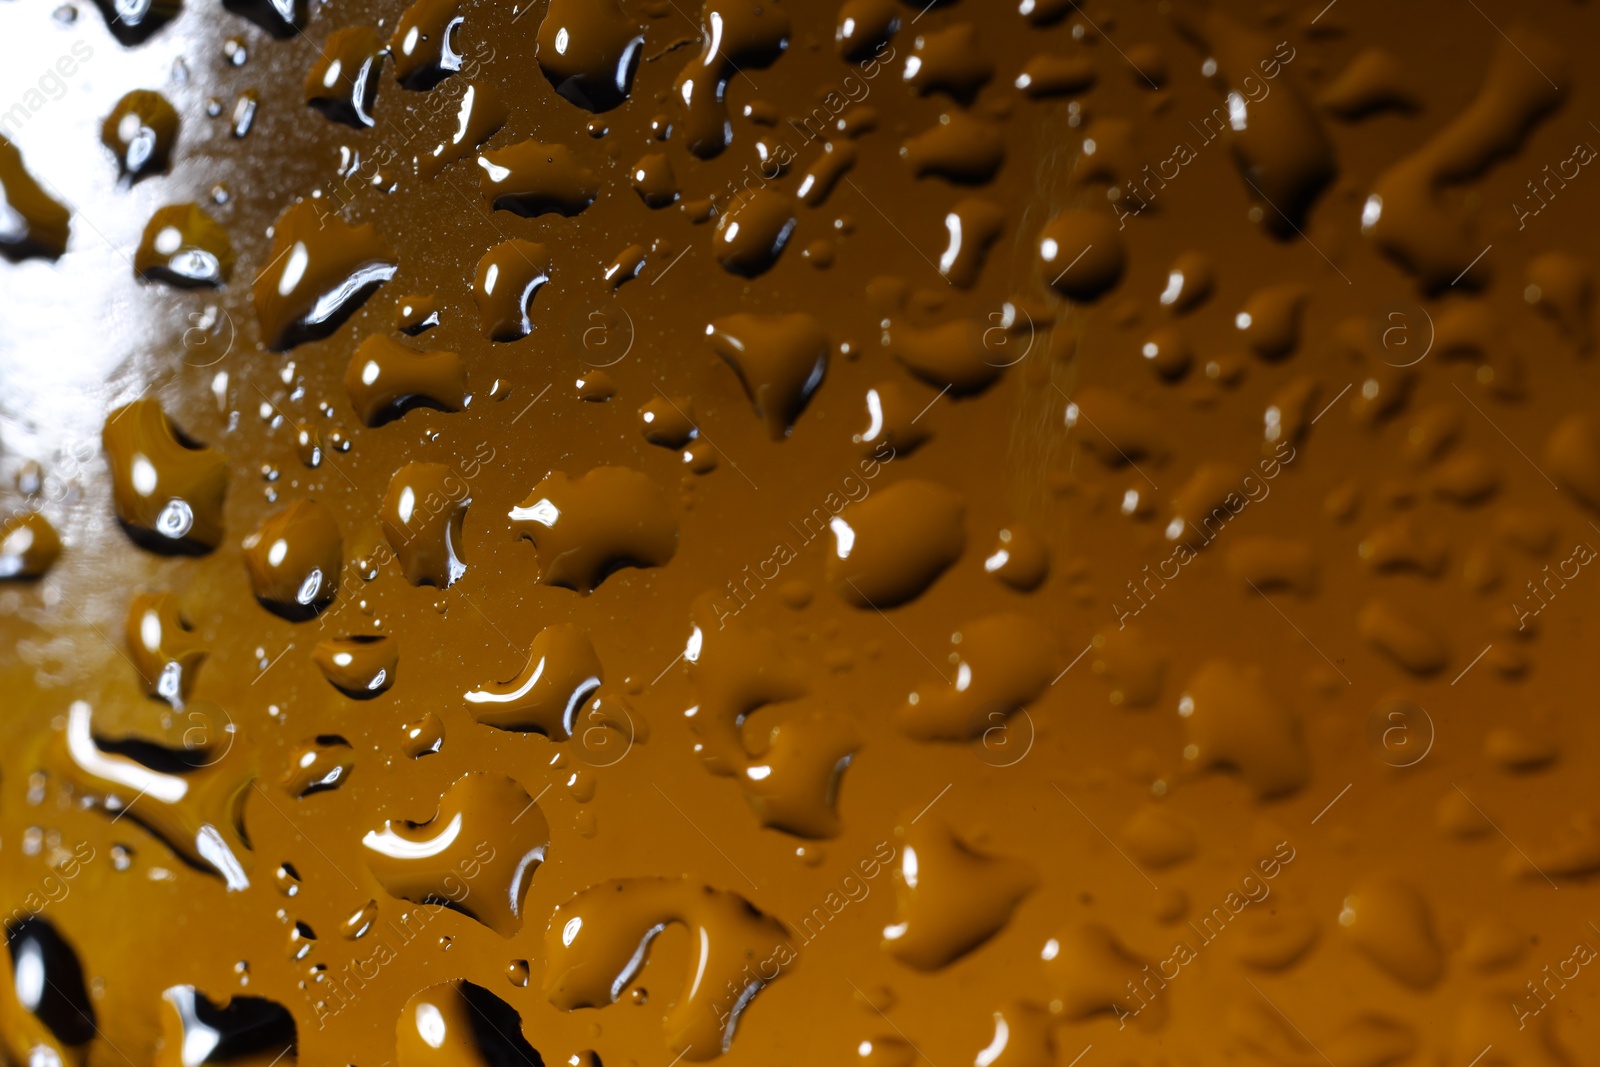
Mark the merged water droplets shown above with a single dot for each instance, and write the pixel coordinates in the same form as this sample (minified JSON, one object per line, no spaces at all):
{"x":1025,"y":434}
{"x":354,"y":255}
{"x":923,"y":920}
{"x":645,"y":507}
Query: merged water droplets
{"x":167,"y":488}
{"x":1235,"y":721}
{"x":1373,"y":82}
{"x":950,"y":61}
{"x":1004,"y":662}
{"x":319,"y":270}
{"x":589,"y":527}
{"x":343,"y":82}
{"x":531,"y":179}
{"x":597,"y":942}
{"x":1095,"y":974}
{"x":971,"y":227}
{"x":1282,"y":152}
{"x":476,"y":854}
{"x":1046,"y":75}
{"x":793,"y":783}
{"x":904,"y":120}
{"x":736,"y":669}
{"x":459,"y":1024}
{"x":964,"y":356}
{"x":385,"y":379}
{"x":422,"y":516}
{"x":562,"y":672}
{"x":736,"y":36}
{"x":165,"y":650}
{"x":479,"y":116}
{"x":509,"y":275}
{"x":1404,"y":636}
{"x":1391,"y":923}
{"x":819,"y":179}
{"x":1114,"y":428}
{"x":191,"y":799}
{"x":1406,"y":215}
{"x":958,"y":148}
{"x":949,"y":898}
{"x":668,"y":421}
